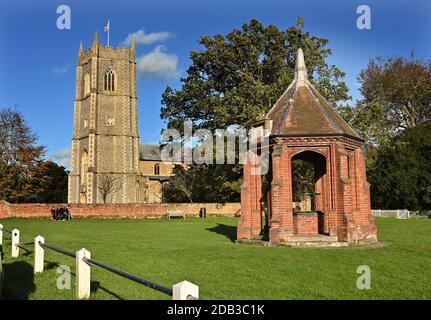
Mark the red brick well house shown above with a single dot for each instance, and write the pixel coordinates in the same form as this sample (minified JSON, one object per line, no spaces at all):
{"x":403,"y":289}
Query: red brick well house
{"x":303,"y":126}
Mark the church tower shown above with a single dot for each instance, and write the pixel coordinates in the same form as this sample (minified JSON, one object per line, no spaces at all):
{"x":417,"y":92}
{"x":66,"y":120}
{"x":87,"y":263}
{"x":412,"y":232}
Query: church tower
{"x":105,"y":142}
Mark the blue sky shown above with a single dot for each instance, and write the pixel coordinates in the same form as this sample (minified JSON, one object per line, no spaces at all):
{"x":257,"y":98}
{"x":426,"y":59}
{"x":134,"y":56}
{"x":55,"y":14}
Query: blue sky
{"x":37,"y":60}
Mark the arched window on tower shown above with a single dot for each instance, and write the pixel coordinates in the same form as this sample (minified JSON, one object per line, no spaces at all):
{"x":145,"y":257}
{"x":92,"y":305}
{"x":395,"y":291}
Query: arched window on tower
{"x":109,"y":81}
{"x":84,"y":168}
{"x":86,"y":84}
{"x":156,"y":169}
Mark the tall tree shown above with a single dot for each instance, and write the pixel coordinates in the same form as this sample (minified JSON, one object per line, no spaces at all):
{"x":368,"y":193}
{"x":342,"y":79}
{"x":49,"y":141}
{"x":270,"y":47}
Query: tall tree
{"x":204,"y":183}
{"x":397,"y":96}
{"x":236,"y":77}
{"x":108,"y":185}
{"x":181,"y":186}
{"x":55,"y":190}
{"x":401,"y":174}
{"x":22,"y":174}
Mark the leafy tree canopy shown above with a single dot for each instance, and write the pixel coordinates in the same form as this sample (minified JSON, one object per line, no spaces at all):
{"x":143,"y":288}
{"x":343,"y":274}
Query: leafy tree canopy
{"x":401,"y":174}
{"x":55,"y":191}
{"x":234,"y":79}
{"x":204,"y":183}
{"x":22,"y":177}
{"x":397,"y":96}
{"x":237,"y":77}
{"x":24,"y":174}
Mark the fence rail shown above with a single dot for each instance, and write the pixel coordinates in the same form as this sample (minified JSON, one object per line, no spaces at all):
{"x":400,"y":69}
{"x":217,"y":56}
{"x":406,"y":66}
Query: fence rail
{"x":5,"y":230}
{"x":59,"y":250}
{"x":180,"y":291}
{"x":129,"y":276}
{"x":26,"y":243}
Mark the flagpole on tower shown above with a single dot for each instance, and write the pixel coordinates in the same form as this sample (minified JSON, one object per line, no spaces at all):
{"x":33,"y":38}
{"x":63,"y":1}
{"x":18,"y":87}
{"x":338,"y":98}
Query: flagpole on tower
{"x":109,"y":30}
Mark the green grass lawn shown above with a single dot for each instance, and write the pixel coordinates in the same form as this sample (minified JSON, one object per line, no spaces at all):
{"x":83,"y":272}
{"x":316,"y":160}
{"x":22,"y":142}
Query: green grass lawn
{"x":203,"y":251}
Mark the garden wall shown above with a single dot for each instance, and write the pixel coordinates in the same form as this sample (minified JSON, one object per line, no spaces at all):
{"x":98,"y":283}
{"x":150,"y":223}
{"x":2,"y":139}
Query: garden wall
{"x":138,"y":211}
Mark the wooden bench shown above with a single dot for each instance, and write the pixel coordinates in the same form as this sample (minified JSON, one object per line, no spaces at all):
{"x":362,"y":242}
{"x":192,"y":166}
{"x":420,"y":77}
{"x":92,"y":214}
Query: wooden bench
{"x":175,"y":214}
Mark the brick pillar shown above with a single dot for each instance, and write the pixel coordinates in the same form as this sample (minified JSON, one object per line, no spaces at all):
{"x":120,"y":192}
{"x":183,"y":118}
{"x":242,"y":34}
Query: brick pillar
{"x":356,"y":221}
{"x":364,"y":221}
{"x":250,"y":224}
{"x":281,"y":196}
{"x":343,"y":158}
{"x":343,"y":196}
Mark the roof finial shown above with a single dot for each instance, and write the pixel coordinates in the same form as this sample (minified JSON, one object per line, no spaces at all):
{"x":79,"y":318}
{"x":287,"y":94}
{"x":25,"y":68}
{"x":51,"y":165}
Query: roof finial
{"x":80,"y":48}
{"x":300,"y":69}
{"x":300,"y":22}
{"x":95,"y":39}
{"x":300,"y":25}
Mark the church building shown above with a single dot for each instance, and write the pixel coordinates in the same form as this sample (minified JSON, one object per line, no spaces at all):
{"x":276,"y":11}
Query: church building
{"x":109,"y":165}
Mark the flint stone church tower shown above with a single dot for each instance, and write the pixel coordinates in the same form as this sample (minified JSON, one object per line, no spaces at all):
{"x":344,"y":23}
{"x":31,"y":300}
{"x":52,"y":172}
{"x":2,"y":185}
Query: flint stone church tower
{"x":105,"y":144}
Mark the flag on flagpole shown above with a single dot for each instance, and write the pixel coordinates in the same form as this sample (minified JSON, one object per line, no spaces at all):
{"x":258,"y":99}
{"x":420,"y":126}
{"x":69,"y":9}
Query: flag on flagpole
{"x":107,"y":28}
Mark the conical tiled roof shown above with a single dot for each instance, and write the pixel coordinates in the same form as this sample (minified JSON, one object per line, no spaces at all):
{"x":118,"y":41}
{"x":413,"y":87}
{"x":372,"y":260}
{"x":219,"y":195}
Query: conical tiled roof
{"x":302,"y":110}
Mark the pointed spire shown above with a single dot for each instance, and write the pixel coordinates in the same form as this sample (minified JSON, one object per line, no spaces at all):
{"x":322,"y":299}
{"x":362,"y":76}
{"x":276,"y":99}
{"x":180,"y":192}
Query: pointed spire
{"x":80,"y":51}
{"x":132,"y":50}
{"x":300,"y":69}
{"x":132,"y":44}
{"x":95,"y":39}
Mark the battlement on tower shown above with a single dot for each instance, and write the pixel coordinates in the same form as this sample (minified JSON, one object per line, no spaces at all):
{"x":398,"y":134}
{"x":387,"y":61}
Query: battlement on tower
{"x":106,"y":52}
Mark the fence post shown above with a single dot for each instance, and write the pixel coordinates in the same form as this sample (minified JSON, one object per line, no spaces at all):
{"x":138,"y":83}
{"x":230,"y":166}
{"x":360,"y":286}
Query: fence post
{"x":83,"y":271}
{"x":1,"y":234}
{"x":185,"y":290}
{"x":1,"y":276}
{"x":39,"y":254}
{"x":15,"y":242}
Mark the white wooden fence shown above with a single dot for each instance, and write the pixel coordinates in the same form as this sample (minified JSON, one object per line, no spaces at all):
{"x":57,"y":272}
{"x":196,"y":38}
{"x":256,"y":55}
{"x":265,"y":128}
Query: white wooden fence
{"x":399,"y":214}
{"x":181,"y":291}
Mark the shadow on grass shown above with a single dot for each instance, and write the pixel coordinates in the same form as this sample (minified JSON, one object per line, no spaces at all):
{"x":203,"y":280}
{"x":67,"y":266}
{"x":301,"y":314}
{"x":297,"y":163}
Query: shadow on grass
{"x":27,"y":252}
{"x":18,"y":281}
{"x":94,"y":285}
{"x":225,"y":230}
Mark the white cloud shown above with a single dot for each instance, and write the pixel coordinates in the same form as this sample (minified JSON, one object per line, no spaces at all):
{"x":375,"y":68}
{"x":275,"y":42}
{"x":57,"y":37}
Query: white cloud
{"x":62,"y":157}
{"x":59,"y":71}
{"x":142,"y":38}
{"x":158,"y":64}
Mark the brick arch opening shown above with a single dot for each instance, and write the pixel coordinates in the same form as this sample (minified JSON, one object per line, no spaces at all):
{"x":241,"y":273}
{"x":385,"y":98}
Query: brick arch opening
{"x":309,"y":192}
